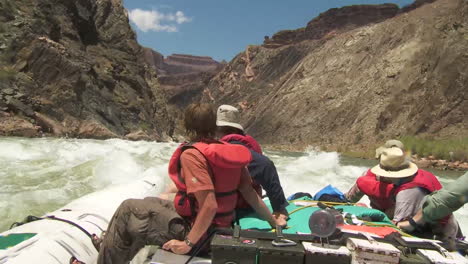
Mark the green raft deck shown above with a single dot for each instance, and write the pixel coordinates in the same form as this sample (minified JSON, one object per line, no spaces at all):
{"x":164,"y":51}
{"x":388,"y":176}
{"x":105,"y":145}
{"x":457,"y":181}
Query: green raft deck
{"x":300,"y":211}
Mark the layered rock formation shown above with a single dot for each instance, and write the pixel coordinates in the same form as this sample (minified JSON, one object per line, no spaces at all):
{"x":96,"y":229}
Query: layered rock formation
{"x":183,"y":79}
{"x":74,"y":68}
{"x":332,"y":22}
{"x":181,"y":76}
{"x":354,"y":84}
{"x":339,"y":20}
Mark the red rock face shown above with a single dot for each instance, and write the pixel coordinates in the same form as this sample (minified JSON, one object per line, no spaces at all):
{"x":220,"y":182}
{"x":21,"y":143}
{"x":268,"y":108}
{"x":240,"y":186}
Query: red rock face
{"x":182,"y":76}
{"x":180,"y":63}
{"x":339,"y":20}
{"x":415,"y":4}
{"x":335,"y":20}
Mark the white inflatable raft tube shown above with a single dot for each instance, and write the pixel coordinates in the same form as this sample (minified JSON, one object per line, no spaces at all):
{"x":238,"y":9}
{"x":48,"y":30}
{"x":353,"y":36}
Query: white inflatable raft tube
{"x":56,"y":242}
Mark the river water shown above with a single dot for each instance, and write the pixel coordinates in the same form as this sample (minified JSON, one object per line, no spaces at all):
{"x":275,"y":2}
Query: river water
{"x":43,"y":174}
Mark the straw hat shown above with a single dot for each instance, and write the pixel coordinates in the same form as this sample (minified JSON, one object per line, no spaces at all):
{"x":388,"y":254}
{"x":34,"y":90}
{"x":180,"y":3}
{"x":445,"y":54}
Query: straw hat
{"x":228,"y":116}
{"x":394,"y":164}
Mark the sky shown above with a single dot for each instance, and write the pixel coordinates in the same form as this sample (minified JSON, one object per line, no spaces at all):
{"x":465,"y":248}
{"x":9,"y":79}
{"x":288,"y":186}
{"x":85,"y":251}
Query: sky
{"x":222,"y":28}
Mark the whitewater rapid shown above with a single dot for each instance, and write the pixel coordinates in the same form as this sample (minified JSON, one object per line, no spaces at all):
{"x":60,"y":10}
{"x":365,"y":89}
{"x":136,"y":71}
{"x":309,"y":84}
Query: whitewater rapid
{"x":42,"y":174}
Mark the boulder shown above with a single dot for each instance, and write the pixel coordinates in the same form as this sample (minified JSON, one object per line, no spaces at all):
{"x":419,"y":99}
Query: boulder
{"x":138,"y":135}
{"x":93,"y":129}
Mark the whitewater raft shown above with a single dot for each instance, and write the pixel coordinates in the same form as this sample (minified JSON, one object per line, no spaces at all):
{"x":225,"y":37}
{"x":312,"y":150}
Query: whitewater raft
{"x":366,"y":236}
{"x":60,"y":235}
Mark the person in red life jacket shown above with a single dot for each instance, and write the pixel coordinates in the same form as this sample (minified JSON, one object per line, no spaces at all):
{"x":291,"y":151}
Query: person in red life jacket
{"x":397,"y":187}
{"x":209,"y":176}
{"x":261,"y":168}
{"x":440,"y":204}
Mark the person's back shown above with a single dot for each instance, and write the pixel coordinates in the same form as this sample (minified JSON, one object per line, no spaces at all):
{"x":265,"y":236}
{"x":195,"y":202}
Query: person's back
{"x":397,"y":187}
{"x":263,"y":172}
{"x":206,"y":174}
{"x":261,"y":168}
{"x":208,"y":165}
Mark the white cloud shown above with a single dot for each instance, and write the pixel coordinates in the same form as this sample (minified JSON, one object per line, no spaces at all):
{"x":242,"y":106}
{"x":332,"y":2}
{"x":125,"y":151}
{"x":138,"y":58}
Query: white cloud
{"x":154,"y":20}
{"x":181,"y":18}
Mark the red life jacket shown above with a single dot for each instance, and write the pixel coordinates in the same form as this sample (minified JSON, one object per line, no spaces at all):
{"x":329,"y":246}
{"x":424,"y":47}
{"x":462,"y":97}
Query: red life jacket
{"x":225,"y":163}
{"x":382,"y":195}
{"x":247,"y":140}
{"x":252,"y":144}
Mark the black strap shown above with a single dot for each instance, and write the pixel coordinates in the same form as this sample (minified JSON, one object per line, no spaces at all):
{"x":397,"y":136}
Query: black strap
{"x":224,"y":194}
{"x":417,"y":228}
{"x":71,"y":223}
{"x":32,"y":218}
{"x":223,"y":214}
{"x":201,"y":244}
{"x":217,"y":194}
{"x":413,"y":223}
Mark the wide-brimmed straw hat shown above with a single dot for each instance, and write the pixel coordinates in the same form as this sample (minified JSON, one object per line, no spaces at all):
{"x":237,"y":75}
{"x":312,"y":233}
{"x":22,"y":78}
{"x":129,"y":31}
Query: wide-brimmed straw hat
{"x":394,"y":164}
{"x":228,"y":115}
{"x":389,"y":144}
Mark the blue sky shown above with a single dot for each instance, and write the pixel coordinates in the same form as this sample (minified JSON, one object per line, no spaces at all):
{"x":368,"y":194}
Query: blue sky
{"x":222,"y":28}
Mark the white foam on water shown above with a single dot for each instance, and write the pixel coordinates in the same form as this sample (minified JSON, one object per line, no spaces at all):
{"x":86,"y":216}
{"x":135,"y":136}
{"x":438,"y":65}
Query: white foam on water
{"x":315,"y":170}
{"x":40,"y":175}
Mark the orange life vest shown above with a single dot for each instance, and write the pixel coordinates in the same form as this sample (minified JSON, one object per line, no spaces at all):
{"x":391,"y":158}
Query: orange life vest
{"x":253,"y":145}
{"x":225,"y":163}
{"x":382,"y":195}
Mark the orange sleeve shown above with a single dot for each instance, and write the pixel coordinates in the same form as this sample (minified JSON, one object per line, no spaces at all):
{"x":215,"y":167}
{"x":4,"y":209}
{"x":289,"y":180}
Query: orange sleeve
{"x":194,"y":171}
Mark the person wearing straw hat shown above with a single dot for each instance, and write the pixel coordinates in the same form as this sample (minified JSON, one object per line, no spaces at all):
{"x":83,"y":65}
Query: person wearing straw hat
{"x":261,"y":168}
{"x":397,"y":187}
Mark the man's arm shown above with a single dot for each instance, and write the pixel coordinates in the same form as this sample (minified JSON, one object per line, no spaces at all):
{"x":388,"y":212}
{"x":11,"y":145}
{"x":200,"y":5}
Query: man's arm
{"x":253,"y":199}
{"x":199,"y":184}
{"x":354,"y":194}
{"x":208,"y":206}
{"x":410,"y":227}
{"x":441,"y":203}
{"x":447,"y":200}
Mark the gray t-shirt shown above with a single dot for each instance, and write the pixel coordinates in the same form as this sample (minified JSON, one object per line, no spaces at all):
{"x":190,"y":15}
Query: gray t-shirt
{"x":408,"y":202}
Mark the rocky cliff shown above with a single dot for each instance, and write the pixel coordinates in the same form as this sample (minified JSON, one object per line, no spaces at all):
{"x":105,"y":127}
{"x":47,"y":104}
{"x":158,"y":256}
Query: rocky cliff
{"x":182,"y":76}
{"x":349,"y":85}
{"x":332,"y":22}
{"x":74,"y":68}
